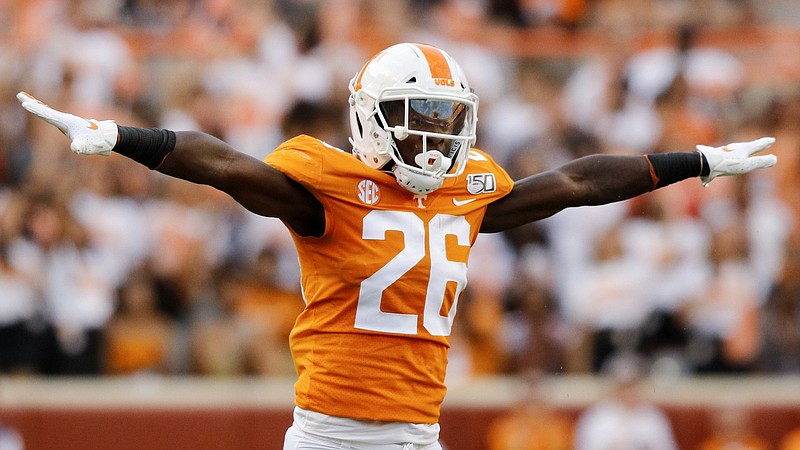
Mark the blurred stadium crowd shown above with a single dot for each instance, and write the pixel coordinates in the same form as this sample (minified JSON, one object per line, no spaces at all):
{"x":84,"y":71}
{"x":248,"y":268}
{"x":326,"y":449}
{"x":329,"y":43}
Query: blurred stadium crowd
{"x":108,"y":268}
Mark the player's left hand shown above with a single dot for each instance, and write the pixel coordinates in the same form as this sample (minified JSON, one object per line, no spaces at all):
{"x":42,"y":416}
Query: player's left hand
{"x":736,"y":158}
{"x":87,"y":136}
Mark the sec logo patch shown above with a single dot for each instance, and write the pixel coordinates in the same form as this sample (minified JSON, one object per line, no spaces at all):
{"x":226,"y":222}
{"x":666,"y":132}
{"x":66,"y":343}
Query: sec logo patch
{"x":368,"y":192}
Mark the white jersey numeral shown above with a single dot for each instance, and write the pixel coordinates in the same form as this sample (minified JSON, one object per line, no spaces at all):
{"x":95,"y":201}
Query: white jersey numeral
{"x":443,"y":271}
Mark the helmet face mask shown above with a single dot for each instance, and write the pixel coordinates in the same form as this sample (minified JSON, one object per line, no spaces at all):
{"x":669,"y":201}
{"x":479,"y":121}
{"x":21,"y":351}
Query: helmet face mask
{"x":422,"y":125}
{"x":412,"y":112}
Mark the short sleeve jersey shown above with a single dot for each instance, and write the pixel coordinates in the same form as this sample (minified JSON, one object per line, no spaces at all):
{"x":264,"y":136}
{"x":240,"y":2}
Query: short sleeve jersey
{"x":381,"y":285}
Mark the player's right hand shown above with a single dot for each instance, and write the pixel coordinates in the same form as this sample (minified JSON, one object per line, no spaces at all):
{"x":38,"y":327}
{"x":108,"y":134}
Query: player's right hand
{"x":87,"y":136}
{"x":736,"y":158}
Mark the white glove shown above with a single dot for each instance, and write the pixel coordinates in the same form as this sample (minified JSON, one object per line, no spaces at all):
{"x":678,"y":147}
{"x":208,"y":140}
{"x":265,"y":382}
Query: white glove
{"x":736,"y":159}
{"x":88,"y":136}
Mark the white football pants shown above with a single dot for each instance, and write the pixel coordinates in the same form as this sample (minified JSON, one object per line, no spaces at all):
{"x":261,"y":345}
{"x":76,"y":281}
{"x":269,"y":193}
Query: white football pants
{"x":297,"y":440}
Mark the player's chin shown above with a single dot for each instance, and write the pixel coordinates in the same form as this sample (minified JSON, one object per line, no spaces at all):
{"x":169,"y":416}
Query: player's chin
{"x":409,"y":150}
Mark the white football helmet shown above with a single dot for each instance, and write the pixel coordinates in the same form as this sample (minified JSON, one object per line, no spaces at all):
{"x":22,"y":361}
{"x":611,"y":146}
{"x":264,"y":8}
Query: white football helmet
{"x":426,"y":93}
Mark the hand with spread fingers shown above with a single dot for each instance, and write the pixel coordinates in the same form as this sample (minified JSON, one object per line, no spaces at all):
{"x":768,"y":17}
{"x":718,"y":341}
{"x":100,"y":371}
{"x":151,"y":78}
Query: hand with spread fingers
{"x":736,"y":158}
{"x":88,"y":136}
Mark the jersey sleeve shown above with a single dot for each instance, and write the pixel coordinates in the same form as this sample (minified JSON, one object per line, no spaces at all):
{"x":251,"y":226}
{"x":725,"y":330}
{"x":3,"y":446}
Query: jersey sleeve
{"x":481,"y":163}
{"x":299,"y":158}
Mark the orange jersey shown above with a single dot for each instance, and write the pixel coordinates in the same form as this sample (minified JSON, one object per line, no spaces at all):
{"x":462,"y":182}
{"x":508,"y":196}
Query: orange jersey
{"x":382,"y":284}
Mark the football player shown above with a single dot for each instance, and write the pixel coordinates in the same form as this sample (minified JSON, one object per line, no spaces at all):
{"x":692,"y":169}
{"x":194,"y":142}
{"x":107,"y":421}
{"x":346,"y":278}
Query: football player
{"x":383,"y":232}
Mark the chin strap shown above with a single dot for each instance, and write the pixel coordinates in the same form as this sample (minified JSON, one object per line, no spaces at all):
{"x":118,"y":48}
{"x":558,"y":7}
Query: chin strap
{"x":428,"y":177}
{"x":417,"y":183}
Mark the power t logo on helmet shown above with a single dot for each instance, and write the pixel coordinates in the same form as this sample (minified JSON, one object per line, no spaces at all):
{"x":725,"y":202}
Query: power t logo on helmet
{"x":413,"y":113}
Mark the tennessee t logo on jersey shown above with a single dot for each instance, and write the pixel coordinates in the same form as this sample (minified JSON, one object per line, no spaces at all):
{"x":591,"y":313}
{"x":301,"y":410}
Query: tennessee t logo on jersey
{"x":479,"y":183}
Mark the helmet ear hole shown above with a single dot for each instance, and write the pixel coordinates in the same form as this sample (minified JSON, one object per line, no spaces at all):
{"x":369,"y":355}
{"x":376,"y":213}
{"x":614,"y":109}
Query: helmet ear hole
{"x":360,"y":127}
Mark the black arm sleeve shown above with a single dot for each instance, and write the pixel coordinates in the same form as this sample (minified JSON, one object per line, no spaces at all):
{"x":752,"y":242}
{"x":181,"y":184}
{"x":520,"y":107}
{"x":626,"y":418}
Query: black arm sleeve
{"x":148,"y":146}
{"x":668,"y":168}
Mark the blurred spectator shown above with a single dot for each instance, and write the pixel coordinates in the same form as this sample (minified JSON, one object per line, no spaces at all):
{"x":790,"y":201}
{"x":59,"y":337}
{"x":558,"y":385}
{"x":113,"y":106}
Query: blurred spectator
{"x":86,"y":77}
{"x":222,"y":343}
{"x":15,"y":152}
{"x":534,"y":334}
{"x":11,"y":438}
{"x":139,"y":337}
{"x":568,"y":13}
{"x":791,"y":441}
{"x":271,"y":310}
{"x":114,"y":223}
{"x":21,"y":323}
{"x":781,"y":321}
{"x":611,"y":300}
{"x":625,"y":420}
{"x":190,"y":234}
{"x":724,"y":319}
{"x":532,"y":424}
{"x":247,"y":330}
{"x":479,"y":330}
{"x":78,"y":288}
{"x":663,"y":235}
{"x":780,"y":118}
{"x":481,"y":305}
{"x":707,"y":74}
{"x":522,"y":115}
{"x":321,"y":119}
{"x":731,"y":428}
{"x":598,"y":102}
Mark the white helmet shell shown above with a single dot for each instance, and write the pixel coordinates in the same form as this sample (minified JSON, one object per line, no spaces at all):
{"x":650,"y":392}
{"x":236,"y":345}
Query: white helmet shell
{"x":408,"y":72}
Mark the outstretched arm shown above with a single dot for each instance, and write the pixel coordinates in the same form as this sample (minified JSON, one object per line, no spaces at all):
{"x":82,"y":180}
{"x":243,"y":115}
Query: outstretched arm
{"x":195,"y":157}
{"x":601,"y":179}
{"x":262,"y":189}
{"x":591,"y":180}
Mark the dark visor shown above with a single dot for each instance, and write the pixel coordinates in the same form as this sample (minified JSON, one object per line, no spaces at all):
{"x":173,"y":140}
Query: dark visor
{"x":436,"y":109}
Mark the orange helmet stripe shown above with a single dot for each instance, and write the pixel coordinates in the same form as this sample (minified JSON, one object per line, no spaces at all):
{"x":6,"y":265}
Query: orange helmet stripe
{"x":436,"y":59}
{"x":440,"y":68}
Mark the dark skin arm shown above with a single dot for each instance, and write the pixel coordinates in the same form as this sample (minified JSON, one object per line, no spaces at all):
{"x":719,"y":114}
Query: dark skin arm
{"x":262,"y":189}
{"x":591,"y":180}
